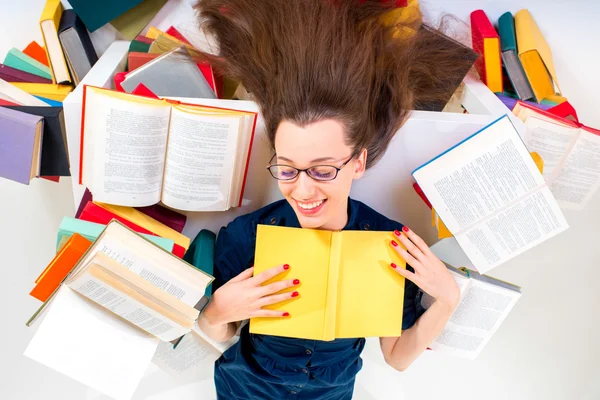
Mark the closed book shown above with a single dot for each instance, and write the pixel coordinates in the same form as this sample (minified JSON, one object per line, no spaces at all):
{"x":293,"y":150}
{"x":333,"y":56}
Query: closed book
{"x":50,"y":102}
{"x":55,"y":161}
{"x":9,"y":92}
{"x":95,"y":14}
{"x":10,"y":74}
{"x":132,"y":22}
{"x":510,"y":102}
{"x":510,"y":57}
{"x":487,"y":43}
{"x":142,"y":90}
{"x":165,"y":216}
{"x":20,"y":145}
{"x":144,"y":39}
{"x":49,"y":23}
{"x":37,"y":52}
{"x":77,"y":45}
{"x":47,"y":90}
{"x":19,"y":60}
{"x":177,"y":35}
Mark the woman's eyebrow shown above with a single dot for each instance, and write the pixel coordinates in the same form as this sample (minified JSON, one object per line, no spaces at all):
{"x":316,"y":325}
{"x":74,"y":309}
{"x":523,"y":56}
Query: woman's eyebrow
{"x":316,"y":160}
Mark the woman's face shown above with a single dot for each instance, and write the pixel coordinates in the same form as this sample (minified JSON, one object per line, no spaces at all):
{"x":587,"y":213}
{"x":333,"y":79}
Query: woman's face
{"x":317,"y":204}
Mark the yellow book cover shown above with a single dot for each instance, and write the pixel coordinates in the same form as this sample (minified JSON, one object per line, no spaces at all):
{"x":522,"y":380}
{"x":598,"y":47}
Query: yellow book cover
{"x":165,"y":42}
{"x":347,"y":289}
{"x":153,"y":33}
{"x":493,"y":69}
{"x":46,"y":90}
{"x":49,"y":23}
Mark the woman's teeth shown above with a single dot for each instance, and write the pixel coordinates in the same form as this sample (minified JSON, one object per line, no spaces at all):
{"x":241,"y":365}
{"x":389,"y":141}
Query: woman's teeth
{"x":310,"y":206}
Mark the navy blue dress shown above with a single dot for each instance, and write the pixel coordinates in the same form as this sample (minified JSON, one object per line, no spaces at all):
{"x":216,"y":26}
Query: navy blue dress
{"x":271,"y":367}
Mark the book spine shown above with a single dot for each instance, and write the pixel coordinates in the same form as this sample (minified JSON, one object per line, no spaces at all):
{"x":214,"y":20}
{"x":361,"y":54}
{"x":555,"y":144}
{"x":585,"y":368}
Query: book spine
{"x":329,"y":327}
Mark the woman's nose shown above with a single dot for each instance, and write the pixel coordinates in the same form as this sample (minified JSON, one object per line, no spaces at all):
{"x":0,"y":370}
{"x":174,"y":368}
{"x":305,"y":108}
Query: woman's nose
{"x":304,"y":187}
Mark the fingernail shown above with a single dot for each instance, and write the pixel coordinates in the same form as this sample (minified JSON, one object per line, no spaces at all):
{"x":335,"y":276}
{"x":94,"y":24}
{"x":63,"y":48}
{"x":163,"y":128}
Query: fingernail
{"x":405,"y":228}
{"x":397,"y":232}
{"x":295,"y":294}
{"x":296,"y":281}
{"x":285,"y":314}
{"x":286,"y":266}
{"x":394,"y":243}
{"x":393,"y":265}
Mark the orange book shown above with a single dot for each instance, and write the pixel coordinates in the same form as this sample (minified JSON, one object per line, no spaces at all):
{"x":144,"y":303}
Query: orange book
{"x":37,"y":52}
{"x":486,"y":42}
{"x":51,"y":278}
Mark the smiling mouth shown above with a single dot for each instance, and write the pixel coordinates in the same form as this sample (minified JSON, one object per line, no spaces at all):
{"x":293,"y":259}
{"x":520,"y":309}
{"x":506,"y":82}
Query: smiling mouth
{"x":310,"y":206}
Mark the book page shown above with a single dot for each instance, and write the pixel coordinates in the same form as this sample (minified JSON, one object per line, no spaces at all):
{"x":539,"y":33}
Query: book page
{"x":126,"y":148}
{"x":481,"y":310}
{"x":480,"y":176}
{"x":200,"y":161}
{"x":513,"y":230}
{"x":551,"y":141}
{"x":579,"y":176}
{"x":126,"y":307}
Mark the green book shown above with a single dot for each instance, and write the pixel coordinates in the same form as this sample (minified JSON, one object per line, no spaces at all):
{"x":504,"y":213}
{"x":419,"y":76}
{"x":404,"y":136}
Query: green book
{"x":91,"y":231}
{"x":137,"y":47}
{"x":201,"y":255}
{"x":15,"y":58}
{"x":510,"y":57}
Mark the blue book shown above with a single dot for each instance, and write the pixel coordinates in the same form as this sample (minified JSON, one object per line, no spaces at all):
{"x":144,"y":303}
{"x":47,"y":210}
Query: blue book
{"x":50,"y":102}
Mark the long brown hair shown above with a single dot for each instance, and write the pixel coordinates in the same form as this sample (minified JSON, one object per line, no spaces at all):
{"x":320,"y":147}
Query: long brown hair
{"x":308,"y":60}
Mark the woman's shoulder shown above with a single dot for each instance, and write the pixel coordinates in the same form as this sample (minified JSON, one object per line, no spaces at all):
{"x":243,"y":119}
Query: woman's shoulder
{"x":276,"y":213}
{"x":366,"y":218}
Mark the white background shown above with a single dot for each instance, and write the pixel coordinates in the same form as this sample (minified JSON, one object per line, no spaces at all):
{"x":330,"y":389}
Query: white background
{"x":546,"y":349}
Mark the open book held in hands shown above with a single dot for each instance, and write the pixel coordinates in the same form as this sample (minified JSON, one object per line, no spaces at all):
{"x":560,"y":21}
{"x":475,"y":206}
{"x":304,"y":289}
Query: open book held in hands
{"x":347,"y":288}
{"x":491,"y":195}
{"x":484,"y":303}
{"x":138,"y":151}
{"x":139,"y":282}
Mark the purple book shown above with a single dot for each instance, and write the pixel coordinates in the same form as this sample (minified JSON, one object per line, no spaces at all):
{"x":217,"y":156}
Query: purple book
{"x":510,"y":102}
{"x":20,"y":145}
{"x":10,"y":74}
{"x":165,"y":216}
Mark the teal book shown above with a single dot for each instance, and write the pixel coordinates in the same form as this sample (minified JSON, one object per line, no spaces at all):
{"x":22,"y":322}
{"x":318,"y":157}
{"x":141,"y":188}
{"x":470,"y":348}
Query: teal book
{"x":15,"y":58}
{"x":91,"y":231}
{"x":510,"y":57}
{"x":201,"y":255}
{"x":95,"y":14}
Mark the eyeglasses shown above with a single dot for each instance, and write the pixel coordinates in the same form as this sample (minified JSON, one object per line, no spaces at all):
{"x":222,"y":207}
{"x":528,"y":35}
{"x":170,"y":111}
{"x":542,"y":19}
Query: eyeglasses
{"x":283,"y":172}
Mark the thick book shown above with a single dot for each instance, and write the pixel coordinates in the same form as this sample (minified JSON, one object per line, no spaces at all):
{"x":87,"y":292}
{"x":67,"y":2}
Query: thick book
{"x":333,"y":274}
{"x":49,"y":23}
{"x":487,"y":43}
{"x":37,"y":52}
{"x":77,"y":45}
{"x":535,"y":56}
{"x":55,"y":160}
{"x":510,"y":57}
{"x":96,"y":14}
{"x":139,"y":282}
{"x":568,"y":149}
{"x":165,"y":216}
{"x":10,"y":74}
{"x":138,"y":151}
{"x":45,"y":90}
{"x":485,"y":302}
{"x":174,"y":73}
{"x":17,"y":59}
{"x":20,"y":145}
{"x":491,"y":196}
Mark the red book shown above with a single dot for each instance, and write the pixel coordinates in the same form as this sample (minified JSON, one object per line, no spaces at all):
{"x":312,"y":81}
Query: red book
{"x":51,"y":178}
{"x":142,"y":90}
{"x":7,"y":103}
{"x":37,"y":52}
{"x":565,"y":110}
{"x":176,"y":34}
{"x":144,"y":39}
{"x":421,"y":194}
{"x":486,"y":42}
{"x":119,"y":78}
{"x":165,"y":216}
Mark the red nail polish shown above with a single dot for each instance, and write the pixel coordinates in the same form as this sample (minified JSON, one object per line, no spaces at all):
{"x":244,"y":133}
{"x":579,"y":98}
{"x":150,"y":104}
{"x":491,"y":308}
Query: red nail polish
{"x":394,"y":243}
{"x":393,"y":265}
{"x":405,"y":228}
{"x":296,"y":281}
{"x":397,"y":232}
{"x":295,"y":294}
{"x":286,"y":314}
{"x":286,"y":267}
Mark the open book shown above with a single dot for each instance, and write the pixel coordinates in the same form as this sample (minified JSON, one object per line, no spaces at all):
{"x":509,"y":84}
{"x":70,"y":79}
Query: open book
{"x":139,"y":282}
{"x":347,"y":288}
{"x":138,"y":151}
{"x":571,"y":154}
{"x":491,"y":196}
{"x":484,"y":304}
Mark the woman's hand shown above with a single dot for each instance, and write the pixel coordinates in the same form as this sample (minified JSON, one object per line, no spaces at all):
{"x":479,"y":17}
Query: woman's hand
{"x":431,"y":275}
{"x":244,"y":297}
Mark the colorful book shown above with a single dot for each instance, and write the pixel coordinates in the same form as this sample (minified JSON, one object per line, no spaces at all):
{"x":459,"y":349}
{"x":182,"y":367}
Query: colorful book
{"x":46,"y":90}
{"x":338,"y":266}
{"x":144,"y":39}
{"x":77,"y":45}
{"x":177,"y":177}
{"x":20,"y":145}
{"x":37,"y":52}
{"x":10,"y":74}
{"x":535,"y":56}
{"x":165,"y":216}
{"x":19,"y":60}
{"x":510,"y":57}
{"x":177,"y":35}
{"x":10,"y":92}
{"x":96,"y":14}
{"x":565,"y":110}
{"x":510,"y":102}
{"x":133,"y":21}
{"x":487,"y":43}
{"x":49,"y":102}
{"x":49,"y":23}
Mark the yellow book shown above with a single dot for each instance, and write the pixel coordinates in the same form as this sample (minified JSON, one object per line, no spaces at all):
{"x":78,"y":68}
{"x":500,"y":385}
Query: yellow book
{"x":493,"y":74}
{"x":153,"y":33}
{"x":46,"y":90}
{"x":165,"y":42}
{"x":347,"y":290}
{"x":49,"y":23}
{"x":132,"y":22}
{"x":535,"y":56}
{"x":149,"y":223}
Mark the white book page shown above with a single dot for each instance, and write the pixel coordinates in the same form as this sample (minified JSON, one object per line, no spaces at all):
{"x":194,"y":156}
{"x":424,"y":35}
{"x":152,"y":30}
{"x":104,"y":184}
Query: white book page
{"x":127,"y":308}
{"x":551,"y":141}
{"x":481,"y":310}
{"x":480,"y":176}
{"x":86,"y":343}
{"x":200,"y":161}
{"x":127,"y":142}
{"x":579,"y":176}
{"x":513,"y":230}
